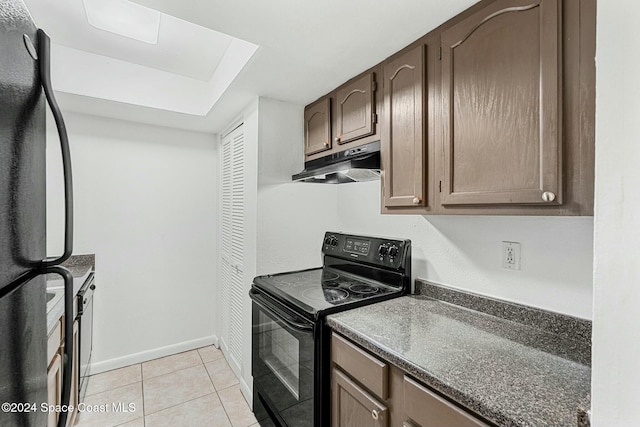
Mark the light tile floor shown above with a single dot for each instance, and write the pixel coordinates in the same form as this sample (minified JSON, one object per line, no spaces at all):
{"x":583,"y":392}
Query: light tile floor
{"x":194,"y":388}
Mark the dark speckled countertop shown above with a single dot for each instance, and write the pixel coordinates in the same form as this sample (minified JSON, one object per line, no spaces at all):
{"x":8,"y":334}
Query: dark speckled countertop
{"x":80,"y":267}
{"x":513,"y":374}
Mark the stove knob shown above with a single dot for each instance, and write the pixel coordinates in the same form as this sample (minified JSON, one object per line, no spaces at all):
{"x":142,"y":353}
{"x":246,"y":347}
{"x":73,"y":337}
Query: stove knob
{"x":393,"y":251}
{"x":334,"y":241}
{"x":382,"y":250}
{"x":327,"y":240}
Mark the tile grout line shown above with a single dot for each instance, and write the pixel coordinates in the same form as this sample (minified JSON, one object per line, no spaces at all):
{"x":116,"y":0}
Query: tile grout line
{"x":221,"y":402}
{"x":186,"y":401}
{"x":216,"y":391}
{"x":87,"y":394}
{"x":177,"y":370}
{"x":173,"y":372}
{"x":116,"y":388}
{"x":190,"y":400}
{"x":211,"y":379}
{"x":224,"y":408}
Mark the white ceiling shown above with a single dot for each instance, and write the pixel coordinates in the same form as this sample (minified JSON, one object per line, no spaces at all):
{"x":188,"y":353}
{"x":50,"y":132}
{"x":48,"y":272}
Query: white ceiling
{"x":307,"y":47}
{"x":179,"y":49}
{"x":180,"y":67}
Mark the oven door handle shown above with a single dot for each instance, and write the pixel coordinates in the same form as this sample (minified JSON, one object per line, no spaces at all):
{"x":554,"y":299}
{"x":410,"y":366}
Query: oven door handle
{"x":261,"y":302}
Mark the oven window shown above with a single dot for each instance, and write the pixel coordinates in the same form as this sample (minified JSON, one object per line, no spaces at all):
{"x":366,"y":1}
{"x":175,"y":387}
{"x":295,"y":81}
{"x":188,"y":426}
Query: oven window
{"x":283,"y":361}
{"x":280,"y":352}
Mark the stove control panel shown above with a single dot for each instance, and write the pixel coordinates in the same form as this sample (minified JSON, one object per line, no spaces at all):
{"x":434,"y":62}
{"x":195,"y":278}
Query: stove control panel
{"x":330,"y":241}
{"x":388,"y":250}
{"x":357,"y":246}
{"x":379,"y":251}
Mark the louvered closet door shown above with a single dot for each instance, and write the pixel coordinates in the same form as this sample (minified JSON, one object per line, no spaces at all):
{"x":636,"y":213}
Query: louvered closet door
{"x":231,"y":261}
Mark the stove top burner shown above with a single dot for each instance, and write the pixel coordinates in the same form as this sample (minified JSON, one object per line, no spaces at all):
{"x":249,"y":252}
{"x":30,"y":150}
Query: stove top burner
{"x":363,"y":289}
{"x":327,"y":276}
{"x":331,"y":295}
{"x":322,"y":288}
{"x":281,"y":281}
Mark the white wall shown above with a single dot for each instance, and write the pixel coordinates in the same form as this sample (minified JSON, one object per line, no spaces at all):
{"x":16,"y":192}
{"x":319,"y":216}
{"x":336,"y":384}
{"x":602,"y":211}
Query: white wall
{"x":466,"y":251}
{"x":616,"y":319}
{"x":292,"y":217}
{"x":145,"y":204}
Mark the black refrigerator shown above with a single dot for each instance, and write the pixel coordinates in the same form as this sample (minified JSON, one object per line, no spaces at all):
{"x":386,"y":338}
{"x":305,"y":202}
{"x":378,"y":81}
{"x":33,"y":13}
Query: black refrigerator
{"x":25,"y":90}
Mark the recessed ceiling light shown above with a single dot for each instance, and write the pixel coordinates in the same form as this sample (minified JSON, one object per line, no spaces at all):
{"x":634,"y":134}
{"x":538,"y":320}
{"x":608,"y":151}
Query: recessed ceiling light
{"x":124,"y":18}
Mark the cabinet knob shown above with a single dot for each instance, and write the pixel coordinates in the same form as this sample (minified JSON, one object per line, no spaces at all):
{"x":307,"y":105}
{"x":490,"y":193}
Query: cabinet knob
{"x":326,"y":144}
{"x":374,"y":414}
{"x":416,"y":200}
{"x":548,"y":196}
{"x":336,"y":139}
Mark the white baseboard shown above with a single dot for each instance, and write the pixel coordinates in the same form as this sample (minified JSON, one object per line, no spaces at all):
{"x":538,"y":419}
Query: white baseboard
{"x":144,"y":356}
{"x":247,"y":391}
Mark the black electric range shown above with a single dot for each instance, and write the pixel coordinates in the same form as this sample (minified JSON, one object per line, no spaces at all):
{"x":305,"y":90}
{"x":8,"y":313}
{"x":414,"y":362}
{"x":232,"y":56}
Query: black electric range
{"x":290,"y":341}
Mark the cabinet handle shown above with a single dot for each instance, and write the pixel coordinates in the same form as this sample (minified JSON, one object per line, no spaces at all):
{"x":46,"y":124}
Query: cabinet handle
{"x":326,"y":144}
{"x":548,"y":196}
{"x":416,"y":200}
{"x":374,"y":414}
{"x":336,"y":139}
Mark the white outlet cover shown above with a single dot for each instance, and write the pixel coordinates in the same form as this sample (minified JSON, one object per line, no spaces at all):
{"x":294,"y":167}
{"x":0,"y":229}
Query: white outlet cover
{"x":511,"y":255}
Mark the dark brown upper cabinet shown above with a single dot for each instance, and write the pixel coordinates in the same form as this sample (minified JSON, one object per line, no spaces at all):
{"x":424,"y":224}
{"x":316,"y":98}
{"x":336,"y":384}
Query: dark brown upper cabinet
{"x":403,"y":134}
{"x":355,"y":110}
{"x":345,"y":118}
{"x":317,"y":126}
{"x":491,"y":113}
{"x":501,"y":77}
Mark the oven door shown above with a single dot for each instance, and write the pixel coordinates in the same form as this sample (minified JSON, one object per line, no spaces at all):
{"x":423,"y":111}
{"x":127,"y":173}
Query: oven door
{"x":283,"y":364}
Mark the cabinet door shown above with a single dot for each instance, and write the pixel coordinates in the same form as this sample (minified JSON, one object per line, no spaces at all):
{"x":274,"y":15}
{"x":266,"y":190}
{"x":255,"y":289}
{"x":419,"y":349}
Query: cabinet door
{"x":501,"y":94}
{"x":352,"y":406}
{"x":355,"y":104}
{"x":427,"y":409}
{"x":317,"y":127}
{"x":54,"y":388}
{"x":403,"y":134}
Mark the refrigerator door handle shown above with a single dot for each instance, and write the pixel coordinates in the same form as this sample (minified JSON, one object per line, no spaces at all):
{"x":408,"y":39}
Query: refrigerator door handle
{"x":67,"y":357}
{"x":44,"y":59}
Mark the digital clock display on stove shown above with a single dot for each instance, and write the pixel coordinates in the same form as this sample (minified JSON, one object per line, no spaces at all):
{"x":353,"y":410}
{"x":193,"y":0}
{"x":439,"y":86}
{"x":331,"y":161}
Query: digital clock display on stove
{"x":357,"y":246}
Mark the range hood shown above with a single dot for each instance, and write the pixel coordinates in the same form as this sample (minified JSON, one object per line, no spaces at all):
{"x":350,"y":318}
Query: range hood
{"x":352,"y":165}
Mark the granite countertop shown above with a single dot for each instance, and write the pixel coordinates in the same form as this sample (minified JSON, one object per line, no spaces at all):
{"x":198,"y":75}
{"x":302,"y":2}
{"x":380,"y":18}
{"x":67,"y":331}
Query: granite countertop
{"x":80,"y":266}
{"x":536,"y":373}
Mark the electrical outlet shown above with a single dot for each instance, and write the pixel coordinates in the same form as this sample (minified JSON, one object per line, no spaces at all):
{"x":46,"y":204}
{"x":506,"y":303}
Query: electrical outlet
{"x":511,"y":255}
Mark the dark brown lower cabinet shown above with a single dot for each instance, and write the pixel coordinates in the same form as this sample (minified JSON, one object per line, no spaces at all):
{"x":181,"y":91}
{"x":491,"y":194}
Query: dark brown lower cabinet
{"x":369,"y":392}
{"x":427,"y":409}
{"x":353,"y":406}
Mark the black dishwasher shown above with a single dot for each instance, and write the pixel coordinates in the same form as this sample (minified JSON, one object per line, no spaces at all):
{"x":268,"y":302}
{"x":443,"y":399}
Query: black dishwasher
{"x":85,"y":332}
